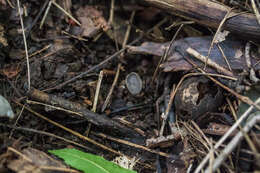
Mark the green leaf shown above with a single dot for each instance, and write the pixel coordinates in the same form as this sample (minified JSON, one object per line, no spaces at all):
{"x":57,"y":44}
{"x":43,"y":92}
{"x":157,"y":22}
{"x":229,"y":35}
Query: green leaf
{"x":88,"y":163}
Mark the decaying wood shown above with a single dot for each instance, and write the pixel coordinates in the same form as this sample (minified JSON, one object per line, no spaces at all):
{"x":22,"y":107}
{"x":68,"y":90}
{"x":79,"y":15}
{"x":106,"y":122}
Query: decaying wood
{"x":97,"y":119}
{"x":210,"y":14}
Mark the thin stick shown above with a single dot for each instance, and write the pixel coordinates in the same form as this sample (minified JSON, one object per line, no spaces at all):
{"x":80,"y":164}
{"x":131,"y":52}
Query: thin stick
{"x":131,"y":144}
{"x":166,"y":52}
{"x":16,"y":122}
{"x":25,"y":46}
{"x":111,"y":13}
{"x":11,"y":5}
{"x":211,"y":63}
{"x":201,"y":133}
{"x":36,"y":19}
{"x":212,"y":158}
{"x":54,"y":107}
{"x":64,"y":11}
{"x":255,"y":11}
{"x":73,"y":36}
{"x":127,"y":33}
{"x":94,"y":108}
{"x":45,"y":14}
{"x":225,"y":58}
{"x":128,"y":29}
{"x":20,"y":154}
{"x":40,"y":51}
{"x":45,"y":133}
{"x":215,"y":35}
{"x":100,"y":78}
{"x":111,"y":89}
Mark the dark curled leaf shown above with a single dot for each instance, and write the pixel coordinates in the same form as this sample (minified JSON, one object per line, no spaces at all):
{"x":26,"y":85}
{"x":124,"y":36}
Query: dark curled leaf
{"x":233,"y":50}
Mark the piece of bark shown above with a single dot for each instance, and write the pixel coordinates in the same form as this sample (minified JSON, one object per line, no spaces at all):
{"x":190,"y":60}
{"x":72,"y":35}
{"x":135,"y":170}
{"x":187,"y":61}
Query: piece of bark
{"x":210,"y":14}
{"x":96,"y":119}
{"x":163,"y":141}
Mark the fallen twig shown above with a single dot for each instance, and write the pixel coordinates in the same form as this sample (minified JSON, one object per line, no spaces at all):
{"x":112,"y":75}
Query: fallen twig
{"x":209,"y":62}
{"x":47,"y":134}
{"x":131,"y":144}
{"x":111,"y":89}
{"x":65,"y":12}
{"x":97,"y":119}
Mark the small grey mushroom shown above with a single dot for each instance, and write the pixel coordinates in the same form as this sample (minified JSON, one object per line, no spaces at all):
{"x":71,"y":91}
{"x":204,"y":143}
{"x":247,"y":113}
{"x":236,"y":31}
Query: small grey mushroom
{"x":5,"y":108}
{"x":134,"y":83}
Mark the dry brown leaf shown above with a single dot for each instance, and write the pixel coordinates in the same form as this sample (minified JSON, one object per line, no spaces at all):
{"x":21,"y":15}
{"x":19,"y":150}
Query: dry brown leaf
{"x":92,"y":21}
{"x":177,"y":57}
{"x":38,"y":160}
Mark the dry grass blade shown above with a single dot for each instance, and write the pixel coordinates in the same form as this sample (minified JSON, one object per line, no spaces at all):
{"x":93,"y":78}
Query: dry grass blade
{"x":111,"y":13}
{"x":217,"y":32}
{"x":196,"y":135}
{"x":100,"y":78}
{"x":255,"y":11}
{"x":111,"y":89}
{"x":132,"y":144}
{"x":65,"y":12}
{"x":25,"y":45}
{"x":9,"y":2}
{"x":225,"y":58}
{"x":166,"y":52}
{"x":45,"y":14}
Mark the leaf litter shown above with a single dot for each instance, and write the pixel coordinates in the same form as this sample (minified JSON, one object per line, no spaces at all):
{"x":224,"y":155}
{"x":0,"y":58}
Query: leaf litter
{"x":165,"y":130}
